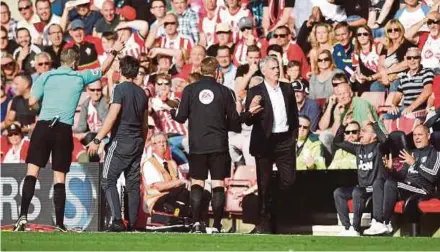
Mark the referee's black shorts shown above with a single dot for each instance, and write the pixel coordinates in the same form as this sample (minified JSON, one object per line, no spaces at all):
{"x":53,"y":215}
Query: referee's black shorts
{"x":217,"y":163}
{"x":57,"y":140}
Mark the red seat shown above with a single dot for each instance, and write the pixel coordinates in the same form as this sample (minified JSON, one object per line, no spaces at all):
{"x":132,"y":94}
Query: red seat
{"x":321,"y":102}
{"x":406,"y":124}
{"x":350,"y":205}
{"x":430,"y":206}
{"x":398,"y":208}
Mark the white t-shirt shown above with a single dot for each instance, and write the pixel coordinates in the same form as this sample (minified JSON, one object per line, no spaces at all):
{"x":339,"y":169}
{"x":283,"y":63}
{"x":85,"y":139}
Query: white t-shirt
{"x":330,"y":11}
{"x":408,"y":19}
{"x":431,"y":53}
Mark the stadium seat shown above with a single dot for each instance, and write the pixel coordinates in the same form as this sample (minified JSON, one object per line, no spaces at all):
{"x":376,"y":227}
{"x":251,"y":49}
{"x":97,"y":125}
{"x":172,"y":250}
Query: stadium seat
{"x":377,"y":99}
{"x":407,"y":124}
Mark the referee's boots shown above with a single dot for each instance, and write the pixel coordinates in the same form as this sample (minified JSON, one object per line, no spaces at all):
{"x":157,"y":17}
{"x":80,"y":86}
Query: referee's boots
{"x":20,"y":225}
{"x":116,"y":226}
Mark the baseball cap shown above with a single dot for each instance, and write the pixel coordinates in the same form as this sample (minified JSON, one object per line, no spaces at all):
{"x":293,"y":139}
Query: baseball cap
{"x":127,"y":12}
{"x":245,"y":22}
{"x":301,"y":86}
{"x":77,"y":24}
{"x":222,"y":27}
{"x":14,"y":129}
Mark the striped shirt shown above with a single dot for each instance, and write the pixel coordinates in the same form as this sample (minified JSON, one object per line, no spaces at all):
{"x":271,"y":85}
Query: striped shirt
{"x":412,"y":86}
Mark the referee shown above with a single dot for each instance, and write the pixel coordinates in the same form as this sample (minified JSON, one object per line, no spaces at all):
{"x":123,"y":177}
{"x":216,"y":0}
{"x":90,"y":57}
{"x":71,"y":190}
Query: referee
{"x":60,"y":91}
{"x":127,"y":120}
{"x":211,"y":111}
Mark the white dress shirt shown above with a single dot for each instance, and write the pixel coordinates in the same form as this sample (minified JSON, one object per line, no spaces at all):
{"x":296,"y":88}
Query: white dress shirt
{"x":280,"y":123}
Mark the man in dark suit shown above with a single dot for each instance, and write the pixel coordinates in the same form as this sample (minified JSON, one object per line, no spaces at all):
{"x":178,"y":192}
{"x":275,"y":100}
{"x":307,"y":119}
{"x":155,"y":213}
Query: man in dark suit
{"x":272,"y":137}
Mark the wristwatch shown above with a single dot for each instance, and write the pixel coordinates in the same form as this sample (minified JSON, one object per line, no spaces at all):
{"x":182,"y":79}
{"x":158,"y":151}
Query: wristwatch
{"x":96,"y":141}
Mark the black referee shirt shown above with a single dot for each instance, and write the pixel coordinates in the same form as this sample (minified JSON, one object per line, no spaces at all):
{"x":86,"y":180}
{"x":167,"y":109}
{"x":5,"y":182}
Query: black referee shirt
{"x":210,"y":109}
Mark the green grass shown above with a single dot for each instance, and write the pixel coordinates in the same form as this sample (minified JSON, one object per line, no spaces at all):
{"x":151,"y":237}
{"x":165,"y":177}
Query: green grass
{"x":181,"y":242}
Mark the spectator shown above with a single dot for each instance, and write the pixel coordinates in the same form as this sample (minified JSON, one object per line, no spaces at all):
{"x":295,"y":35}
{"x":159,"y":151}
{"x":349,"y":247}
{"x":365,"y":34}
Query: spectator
{"x":246,"y":29}
{"x":365,"y":60}
{"x":7,"y":21}
{"x":321,"y":39}
{"x":4,"y":98}
{"x":321,"y":81}
{"x":247,"y":72}
{"x":134,"y":41}
{"x":109,"y":19}
{"x":80,"y":12}
{"x":7,"y":46}
{"x":306,"y":107}
{"x":309,"y":150}
{"x":55,"y":33}
{"x":226,"y":67}
{"x":158,"y":9}
{"x":357,"y":11}
{"x":9,"y":68}
{"x":428,"y":42}
{"x":276,"y":13}
{"x":413,"y":12}
{"x":231,"y":15}
{"x":415,"y":86}
{"x":43,"y":63}
{"x":172,"y":39}
{"x":93,"y":111}
{"x":208,"y":23}
{"x":165,"y":188}
{"x":392,"y":57}
{"x":342,"y":52}
{"x":420,"y":175}
{"x":381,"y":12}
{"x":188,"y":20}
{"x":316,"y":16}
{"x":293,"y":71}
{"x":17,"y":146}
{"x":198,"y":53}
{"x":19,"y":111}
{"x":223,"y":33}
{"x":39,"y":31}
{"x":330,"y":12}
{"x":25,"y":53}
{"x":29,"y":18}
{"x":88,"y":47}
{"x":343,"y":159}
{"x":108,"y":40}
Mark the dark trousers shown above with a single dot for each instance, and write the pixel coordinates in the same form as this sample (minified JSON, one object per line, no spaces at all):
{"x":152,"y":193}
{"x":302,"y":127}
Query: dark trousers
{"x":281,"y":151}
{"x":177,"y":198}
{"x":123,"y":157}
{"x":393,"y":191}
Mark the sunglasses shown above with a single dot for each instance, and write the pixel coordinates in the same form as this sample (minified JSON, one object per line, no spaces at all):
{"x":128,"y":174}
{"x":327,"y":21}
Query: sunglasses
{"x":95,"y":89}
{"x":303,"y":127}
{"x":393,"y":30}
{"x":9,"y":65}
{"x":324,"y":60}
{"x":430,"y":22}
{"x":365,"y":34}
{"x":337,"y":83}
{"x":413,"y":57}
{"x":44,"y":64}
{"x":280,"y":35}
{"x":24,"y":8}
{"x":4,"y":37}
{"x":245,"y":28}
{"x":353,"y":132}
{"x":13,"y":134}
{"x":160,"y":83}
{"x":222,"y":32}
{"x":169,"y":23}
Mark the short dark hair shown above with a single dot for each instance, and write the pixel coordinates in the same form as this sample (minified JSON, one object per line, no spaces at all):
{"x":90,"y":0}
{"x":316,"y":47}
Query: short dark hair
{"x":341,"y":25}
{"x":354,"y":122}
{"x":340,"y":76}
{"x":223,"y":47}
{"x":252,"y":48}
{"x":6,"y":5}
{"x":37,"y":1}
{"x":209,"y":66}
{"x":274,"y":47}
{"x":109,"y":35}
{"x":294,"y":63}
{"x":22,"y":29}
{"x":129,"y":67}
{"x":25,"y":76}
{"x":162,"y":1}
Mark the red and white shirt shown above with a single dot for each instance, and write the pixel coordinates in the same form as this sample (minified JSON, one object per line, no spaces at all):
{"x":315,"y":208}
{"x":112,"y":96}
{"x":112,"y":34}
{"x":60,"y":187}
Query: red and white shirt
{"x":207,"y":26}
{"x":370,"y":59}
{"x":165,"y":121}
{"x":430,"y":47}
{"x":240,"y":53}
{"x":232,"y":19}
{"x":134,"y":46}
{"x":180,"y":42}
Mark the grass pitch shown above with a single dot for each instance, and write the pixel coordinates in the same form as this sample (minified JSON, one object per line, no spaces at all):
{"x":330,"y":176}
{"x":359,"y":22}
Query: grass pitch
{"x":193,"y":242}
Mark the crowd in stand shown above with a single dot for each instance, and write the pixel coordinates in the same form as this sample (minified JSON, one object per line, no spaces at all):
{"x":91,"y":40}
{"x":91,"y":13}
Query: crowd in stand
{"x":334,"y":52}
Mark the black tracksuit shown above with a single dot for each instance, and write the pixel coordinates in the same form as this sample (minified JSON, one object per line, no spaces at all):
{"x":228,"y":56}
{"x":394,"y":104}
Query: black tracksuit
{"x":370,"y":175}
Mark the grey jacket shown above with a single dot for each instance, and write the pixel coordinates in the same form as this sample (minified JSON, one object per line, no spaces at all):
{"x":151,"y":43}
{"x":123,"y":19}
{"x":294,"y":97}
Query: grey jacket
{"x":102,"y":113}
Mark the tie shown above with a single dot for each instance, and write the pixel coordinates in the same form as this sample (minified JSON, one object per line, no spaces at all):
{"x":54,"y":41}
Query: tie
{"x":165,"y":165}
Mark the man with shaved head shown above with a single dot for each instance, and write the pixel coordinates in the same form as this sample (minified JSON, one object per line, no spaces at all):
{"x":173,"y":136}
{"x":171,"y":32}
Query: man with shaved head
{"x":421,"y":171}
{"x":109,"y":20}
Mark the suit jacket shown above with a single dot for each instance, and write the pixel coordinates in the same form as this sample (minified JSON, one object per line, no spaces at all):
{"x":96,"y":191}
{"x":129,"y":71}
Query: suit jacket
{"x":263,"y":121}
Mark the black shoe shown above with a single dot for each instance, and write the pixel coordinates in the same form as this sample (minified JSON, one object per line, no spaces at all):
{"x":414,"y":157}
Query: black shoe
{"x":263,"y":227}
{"x":198,"y":228}
{"x":20,"y":225}
{"x":116,"y":226}
{"x":60,"y":228}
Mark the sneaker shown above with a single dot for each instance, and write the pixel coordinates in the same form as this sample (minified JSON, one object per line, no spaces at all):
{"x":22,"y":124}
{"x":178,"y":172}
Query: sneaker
{"x":376,"y":228}
{"x":212,"y":230}
{"x":390,"y":228}
{"x":60,"y":228}
{"x":116,"y":226}
{"x":20,"y":225}
{"x":349,"y":232}
{"x":198,"y":228}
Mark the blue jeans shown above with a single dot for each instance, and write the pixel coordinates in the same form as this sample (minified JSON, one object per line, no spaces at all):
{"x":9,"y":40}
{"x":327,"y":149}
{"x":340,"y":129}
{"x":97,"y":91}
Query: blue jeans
{"x":389,"y":116}
{"x":378,"y":87}
{"x":379,"y":32}
{"x":179,"y":156}
{"x":353,"y":18}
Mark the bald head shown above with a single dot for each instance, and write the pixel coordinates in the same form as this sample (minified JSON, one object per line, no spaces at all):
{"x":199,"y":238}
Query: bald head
{"x":421,"y":136}
{"x":343,"y":93}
